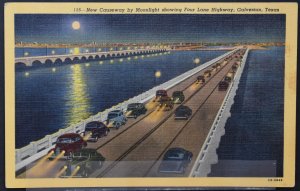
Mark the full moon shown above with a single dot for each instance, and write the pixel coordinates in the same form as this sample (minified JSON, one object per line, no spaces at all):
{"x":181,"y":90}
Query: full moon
{"x":76,"y":25}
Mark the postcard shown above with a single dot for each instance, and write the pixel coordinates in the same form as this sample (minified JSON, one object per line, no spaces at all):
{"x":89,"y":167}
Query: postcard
{"x":150,"y":94}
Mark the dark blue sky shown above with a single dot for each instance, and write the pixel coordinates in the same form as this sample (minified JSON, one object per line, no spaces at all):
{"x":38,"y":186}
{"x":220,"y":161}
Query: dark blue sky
{"x":150,"y":28}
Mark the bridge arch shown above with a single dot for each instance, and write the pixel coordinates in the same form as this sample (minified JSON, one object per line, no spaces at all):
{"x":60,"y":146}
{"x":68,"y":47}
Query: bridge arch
{"x":48,"y":62}
{"x":20,"y":65}
{"x":83,"y":59}
{"x":118,"y":55}
{"x":113,"y":55}
{"x":36,"y":63}
{"x":68,"y":61}
{"x":97,"y":57}
{"x":122,"y":54}
{"x":76,"y":60}
{"x":90,"y":58}
{"x":102,"y":56}
{"x":108,"y":56}
{"x":130,"y":54}
{"x":58,"y":62}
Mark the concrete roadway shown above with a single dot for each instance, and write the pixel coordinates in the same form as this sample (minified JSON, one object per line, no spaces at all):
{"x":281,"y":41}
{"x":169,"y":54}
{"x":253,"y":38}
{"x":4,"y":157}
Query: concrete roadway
{"x":119,"y":141}
{"x":145,"y":158}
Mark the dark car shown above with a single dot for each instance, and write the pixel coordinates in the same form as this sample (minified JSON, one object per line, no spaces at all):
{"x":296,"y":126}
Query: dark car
{"x":234,"y":68}
{"x":178,"y":97}
{"x":228,"y":77}
{"x":207,"y":73}
{"x":166,"y":102}
{"x":161,"y":93}
{"x":201,"y":79}
{"x":175,"y":160}
{"x":83,"y":163}
{"x":183,"y":112}
{"x":69,"y":143}
{"x":223,"y":85}
{"x":135,"y":110}
{"x":94,"y":130}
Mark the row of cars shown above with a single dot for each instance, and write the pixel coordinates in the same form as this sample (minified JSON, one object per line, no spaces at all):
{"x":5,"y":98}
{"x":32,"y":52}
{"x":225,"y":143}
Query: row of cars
{"x":224,"y":84}
{"x":85,"y":160}
{"x":177,"y":159}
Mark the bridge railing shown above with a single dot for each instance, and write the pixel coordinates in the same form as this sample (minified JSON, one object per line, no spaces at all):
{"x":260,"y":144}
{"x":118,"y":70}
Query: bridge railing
{"x":208,"y":155}
{"x":37,"y":149}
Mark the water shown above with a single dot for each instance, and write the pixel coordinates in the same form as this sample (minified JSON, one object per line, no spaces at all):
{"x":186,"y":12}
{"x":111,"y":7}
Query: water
{"x":255,"y":129}
{"x":48,"y":99}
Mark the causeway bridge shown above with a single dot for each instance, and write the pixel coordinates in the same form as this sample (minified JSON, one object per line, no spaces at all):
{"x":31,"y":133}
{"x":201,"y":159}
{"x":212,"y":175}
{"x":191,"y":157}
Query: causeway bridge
{"x":82,"y":57}
{"x":138,"y":147}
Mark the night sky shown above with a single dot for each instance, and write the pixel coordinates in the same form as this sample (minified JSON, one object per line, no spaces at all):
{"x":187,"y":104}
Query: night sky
{"x":150,"y":28}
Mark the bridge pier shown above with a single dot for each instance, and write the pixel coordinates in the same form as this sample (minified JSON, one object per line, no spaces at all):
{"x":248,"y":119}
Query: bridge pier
{"x":79,"y":58}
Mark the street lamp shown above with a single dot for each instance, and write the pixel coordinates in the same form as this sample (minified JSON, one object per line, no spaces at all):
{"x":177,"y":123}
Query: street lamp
{"x":197,"y":60}
{"x":157,"y":74}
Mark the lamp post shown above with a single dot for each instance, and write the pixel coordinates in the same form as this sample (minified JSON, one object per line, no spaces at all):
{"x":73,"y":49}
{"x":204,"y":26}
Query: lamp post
{"x":23,"y":49}
{"x":157,"y":74}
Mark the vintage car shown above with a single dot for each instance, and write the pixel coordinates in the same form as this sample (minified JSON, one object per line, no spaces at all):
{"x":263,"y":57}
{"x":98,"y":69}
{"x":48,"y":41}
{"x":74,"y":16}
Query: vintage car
{"x":175,"y":160}
{"x":218,"y":65}
{"x":160,"y":93}
{"x":69,"y":143}
{"x":178,"y":97}
{"x":183,"y":112}
{"x":201,"y":79}
{"x":223,"y":85}
{"x":94,"y":130}
{"x":116,"y":118}
{"x":228,"y":77}
{"x":207,"y":73}
{"x":166,"y":103}
{"x":82,"y":164}
{"x":234,"y":68}
{"x":135,"y":109}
